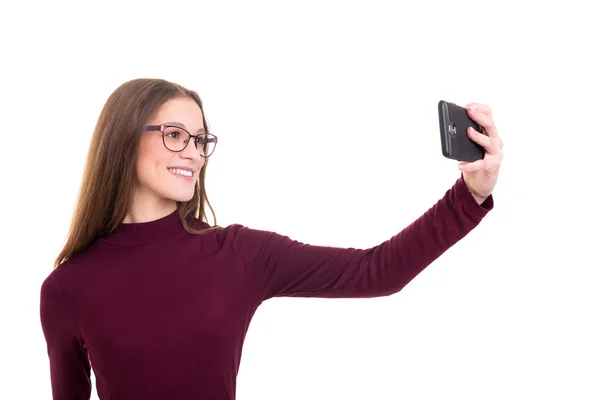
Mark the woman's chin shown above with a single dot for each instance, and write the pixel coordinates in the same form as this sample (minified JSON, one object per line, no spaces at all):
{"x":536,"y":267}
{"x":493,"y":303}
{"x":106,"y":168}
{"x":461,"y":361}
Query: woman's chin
{"x":181,"y":197}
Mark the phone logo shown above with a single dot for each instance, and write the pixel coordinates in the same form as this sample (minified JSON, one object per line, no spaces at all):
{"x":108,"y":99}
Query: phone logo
{"x":452,"y":129}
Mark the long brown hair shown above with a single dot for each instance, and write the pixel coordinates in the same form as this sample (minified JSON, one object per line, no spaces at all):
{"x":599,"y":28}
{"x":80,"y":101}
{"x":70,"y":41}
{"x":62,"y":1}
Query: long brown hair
{"x":108,"y":181}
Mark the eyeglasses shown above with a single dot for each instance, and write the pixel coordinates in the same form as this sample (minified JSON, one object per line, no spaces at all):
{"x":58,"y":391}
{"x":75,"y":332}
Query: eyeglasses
{"x":176,"y":138}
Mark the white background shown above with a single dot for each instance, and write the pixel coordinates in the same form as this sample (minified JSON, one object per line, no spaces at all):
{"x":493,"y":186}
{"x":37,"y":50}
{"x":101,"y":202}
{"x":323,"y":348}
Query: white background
{"x":328,"y":132}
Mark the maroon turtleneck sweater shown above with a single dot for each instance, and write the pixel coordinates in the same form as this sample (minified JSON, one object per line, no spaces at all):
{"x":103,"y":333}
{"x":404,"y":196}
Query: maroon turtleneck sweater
{"x":159,"y":313}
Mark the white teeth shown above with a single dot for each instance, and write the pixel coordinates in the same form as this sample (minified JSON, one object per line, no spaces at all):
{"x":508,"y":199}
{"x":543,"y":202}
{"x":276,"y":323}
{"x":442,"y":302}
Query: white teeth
{"x":180,"y":172}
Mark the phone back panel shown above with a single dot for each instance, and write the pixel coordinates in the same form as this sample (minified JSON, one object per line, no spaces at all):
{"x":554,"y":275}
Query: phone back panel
{"x":456,"y":144}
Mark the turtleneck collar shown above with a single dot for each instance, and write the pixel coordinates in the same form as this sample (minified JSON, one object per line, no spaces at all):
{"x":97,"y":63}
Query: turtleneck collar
{"x":140,"y":233}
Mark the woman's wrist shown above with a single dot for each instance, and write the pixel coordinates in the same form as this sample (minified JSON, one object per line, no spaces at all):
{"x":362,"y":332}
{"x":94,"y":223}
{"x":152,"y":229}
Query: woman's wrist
{"x":479,"y":199}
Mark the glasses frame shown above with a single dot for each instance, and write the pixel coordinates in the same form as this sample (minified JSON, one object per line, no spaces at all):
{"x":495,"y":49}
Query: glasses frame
{"x":162,"y":128}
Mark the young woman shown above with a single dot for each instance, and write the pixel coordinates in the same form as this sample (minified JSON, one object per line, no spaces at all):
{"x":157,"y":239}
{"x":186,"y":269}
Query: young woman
{"x":157,"y":301}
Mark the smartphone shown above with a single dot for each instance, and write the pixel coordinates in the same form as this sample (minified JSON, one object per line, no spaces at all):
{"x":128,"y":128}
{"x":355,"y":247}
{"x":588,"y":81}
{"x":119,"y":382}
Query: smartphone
{"x":456,"y":144}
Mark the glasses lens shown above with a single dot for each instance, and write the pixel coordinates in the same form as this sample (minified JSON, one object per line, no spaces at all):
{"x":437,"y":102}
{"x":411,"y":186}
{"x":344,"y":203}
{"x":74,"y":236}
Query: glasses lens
{"x":206,"y":144}
{"x":175,"y":138}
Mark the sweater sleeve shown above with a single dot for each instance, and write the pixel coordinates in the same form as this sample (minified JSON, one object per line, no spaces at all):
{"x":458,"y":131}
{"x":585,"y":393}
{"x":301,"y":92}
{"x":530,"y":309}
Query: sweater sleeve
{"x":69,"y":365}
{"x":280,"y":266}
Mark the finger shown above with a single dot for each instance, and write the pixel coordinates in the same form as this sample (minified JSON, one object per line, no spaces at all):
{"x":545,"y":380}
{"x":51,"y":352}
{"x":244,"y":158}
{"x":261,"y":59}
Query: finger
{"x":489,"y":164}
{"x":485,"y":120}
{"x":489,"y":144}
{"x":481,"y":108}
{"x":472,"y":166}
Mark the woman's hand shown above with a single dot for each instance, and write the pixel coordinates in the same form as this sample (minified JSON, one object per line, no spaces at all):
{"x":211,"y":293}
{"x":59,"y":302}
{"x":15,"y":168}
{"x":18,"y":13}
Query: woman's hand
{"x":481,"y":175}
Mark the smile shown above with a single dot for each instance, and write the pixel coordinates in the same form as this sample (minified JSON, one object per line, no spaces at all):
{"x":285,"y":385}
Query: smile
{"x":181,"y":172}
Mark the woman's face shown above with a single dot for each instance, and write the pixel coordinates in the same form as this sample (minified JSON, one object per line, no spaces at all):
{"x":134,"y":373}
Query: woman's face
{"x":165,"y":176}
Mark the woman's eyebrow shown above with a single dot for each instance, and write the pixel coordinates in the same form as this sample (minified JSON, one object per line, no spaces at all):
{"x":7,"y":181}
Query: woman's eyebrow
{"x":180,"y":124}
